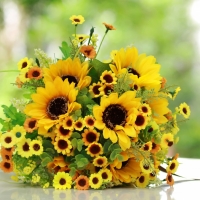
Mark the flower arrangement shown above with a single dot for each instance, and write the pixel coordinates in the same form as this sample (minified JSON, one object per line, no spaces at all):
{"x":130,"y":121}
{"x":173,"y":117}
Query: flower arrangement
{"x":84,"y":123}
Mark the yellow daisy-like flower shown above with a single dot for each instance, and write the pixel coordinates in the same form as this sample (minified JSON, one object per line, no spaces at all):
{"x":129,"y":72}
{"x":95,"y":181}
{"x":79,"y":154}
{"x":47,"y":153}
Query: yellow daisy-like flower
{"x":94,"y":89}
{"x":184,"y":109}
{"x":141,"y":121}
{"x":108,"y":77}
{"x":8,"y":140}
{"x":145,"y":109}
{"x":172,"y":166}
{"x":19,"y":132}
{"x":24,"y":149}
{"x":79,"y":124}
{"x":95,"y":180}
{"x":24,"y":63}
{"x":62,"y":181}
{"x":127,"y":170}
{"x":77,"y":19}
{"x":72,"y":70}
{"x":167,"y":140}
{"x":89,"y":121}
{"x":94,"y":149}
{"x":35,"y":73}
{"x":62,"y":145}
{"x":68,"y":123}
{"x":36,"y":147}
{"x":106,"y":89}
{"x":30,"y":125}
{"x":81,"y":37}
{"x":143,"y":69}
{"x":106,"y":175}
{"x":53,"y":102}
{"x":100,"y":161}
{"x":23,"y":76}
{"x":89,"y":136}
{"x":147,"y":146}
{"x":115,"y":117}
{"x":61,"y":131}
{"x":142,"y":181}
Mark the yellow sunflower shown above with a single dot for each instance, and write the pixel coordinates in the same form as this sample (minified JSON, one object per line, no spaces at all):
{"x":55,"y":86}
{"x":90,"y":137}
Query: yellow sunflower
{"x":53,"y":103}
{"x":77,"y":19}
{"x":24,"y":63}
{"x":143,"y":69}
{"x":62,"y":181}
{"x":8,"y":140}
{"x":125,"y":171}
{"x":184,"y":109}
{"x":72,"y":70}
{"x":115,"y":117}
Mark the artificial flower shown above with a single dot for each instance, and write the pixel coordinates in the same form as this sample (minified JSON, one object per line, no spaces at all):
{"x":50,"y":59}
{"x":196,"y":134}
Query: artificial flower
{"x":62,"y":181}
{"x":77,"y":19}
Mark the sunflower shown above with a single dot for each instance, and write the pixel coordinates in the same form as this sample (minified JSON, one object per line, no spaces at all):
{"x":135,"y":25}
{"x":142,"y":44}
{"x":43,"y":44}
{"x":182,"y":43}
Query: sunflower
{"x":68,"y":123}
{"x":142,"y":181}
{"x":108,"y":77}
{"x":147,"y":146}
{"x":7,"y":151}
{"x":145,"y":109}
{"x":100,"y":161}
{"x":62,"y":181}
{"x":23,"y":76}
{"x":89,"y":136}
{"x":79,"y":124}
{"x":94,"y":89}
{"x":6,"y":166}
{"x":19,"y":132}
{"x":24,"y":149}
{"x":88,"y":51}
{"x":82,"y":182}
{"x":95,"y":180}
{"x":61,"y":131}
{"x":184,"y":109}
{"x":172,"y":166}
{"x":89,"y":121}
{"x":106,"y":175}
{"x":35,"y":73}
{"x":94,"y":149}
{"x":30,"y":125}
{"x":77,"y":19}
{"x":142,"y":69}
{"x":141,"y":121}
{"x":81,"y":37}
{"x":115,"y":117}
{"x":72,"y":70}
{"x":167,"y":140}
{"x":53,"y":102}
{"x":106,"y":89}
{"x":8,"y":140}
{"x":125,"y":171}
{"x":36,"y":147}
{"x":24,"y":63}
{"x":62,"y":145}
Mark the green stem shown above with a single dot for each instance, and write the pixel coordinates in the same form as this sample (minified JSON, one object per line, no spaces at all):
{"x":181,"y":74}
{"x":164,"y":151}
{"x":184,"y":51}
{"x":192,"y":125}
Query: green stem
{"x":101,"y":42}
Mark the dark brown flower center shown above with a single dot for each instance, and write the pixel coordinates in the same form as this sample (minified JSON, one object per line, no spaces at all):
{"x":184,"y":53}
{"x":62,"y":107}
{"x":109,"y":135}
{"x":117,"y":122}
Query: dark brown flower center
{"x":8,"y":140}
{"x":150,"y":129}
{"x":91,"y":137}
{"x":24,"y":64}
{"x":172,"y":166}
{"x":141,"y":179}
{"x":104,"y":175}
{"x":170,"y":143}
{"x":95,"y":149}
{"x":25,"y":147}
{"x":62,"y":181}
{"x":36,"y":73}
{"x":82,"y":182}
{"x":90,"y":122}
{"x":170,"y":178}
{"x":7,"y":165}
{"x":133,"y":71}
{"x":36,"y":147}
{"x":31,"y":124}
{"x":79,"y":124}
{"x":95,"y":180}
{"x":139,"y":120}
{"x":64,"y":131}
{"x":144,"y":109}
{"x":76,"y":20}
{"x":69,"y":122}
{"x":71,"y":79}
{"x":62,"y":144}
{"x":185,"y":110}
{"x":113,"y":115}
{"x":146,"y":147}
{"x":108,"y":78}
{"x":100,"y":161}
{"x":96,"y":89}
{"x":108,"y":89}
{"x":57,"y":106}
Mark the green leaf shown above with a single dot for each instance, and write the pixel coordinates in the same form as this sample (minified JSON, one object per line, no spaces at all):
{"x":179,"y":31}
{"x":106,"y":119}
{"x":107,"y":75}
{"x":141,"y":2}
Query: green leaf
{"x":106,"y":146}
{"x":113,"y":146}
{"x":115,"y":154}
{"x":45,"y":161}
{"x":44,"y":155}
{"x":65,"y":50}
{"x":72,"y":171}
{"x":76,"y":135}
{"x":80,"y":145}
{"x":120,"y":158}
{"x":47,"y":144}
{"x":74,"y":142}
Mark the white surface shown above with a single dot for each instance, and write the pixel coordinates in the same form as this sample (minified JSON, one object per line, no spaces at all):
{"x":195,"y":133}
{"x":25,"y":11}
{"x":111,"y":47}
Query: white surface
{"x":182,"y":190}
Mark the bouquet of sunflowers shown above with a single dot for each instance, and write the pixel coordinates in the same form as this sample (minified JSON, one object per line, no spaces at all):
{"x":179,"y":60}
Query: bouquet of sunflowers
{"x":87,"y":124}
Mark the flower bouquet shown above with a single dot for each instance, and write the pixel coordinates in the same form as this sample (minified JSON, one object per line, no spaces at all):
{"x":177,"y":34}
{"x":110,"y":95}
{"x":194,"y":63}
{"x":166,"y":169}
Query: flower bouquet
{"x":84,"y":123}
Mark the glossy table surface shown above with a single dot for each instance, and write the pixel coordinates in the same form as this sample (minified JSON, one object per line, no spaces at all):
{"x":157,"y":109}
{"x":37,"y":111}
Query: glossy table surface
{"x":183,"y":189}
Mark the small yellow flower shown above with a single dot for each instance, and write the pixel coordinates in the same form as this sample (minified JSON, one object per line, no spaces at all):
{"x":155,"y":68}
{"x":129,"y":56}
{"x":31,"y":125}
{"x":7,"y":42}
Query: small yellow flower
{"x":167,"y":140}
{"x":142,"y":181}
{"x":184,"y":110}
{"x":77,"y":19}
{"x":62,"y":181}
{"x":35,"y":178}
{"x":27,"y":170}
{"x":8,"y":140}
{"x":106,"y":175}
{"x":46,"y":185}
{"x":94,"y":149}
{"x":24,"y":63}
{"x":19,"y":132}
{"x":172,"y":166}
{"x":36,"y":147}
{"x":100,"y":161}
{"x":95,"y":180}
